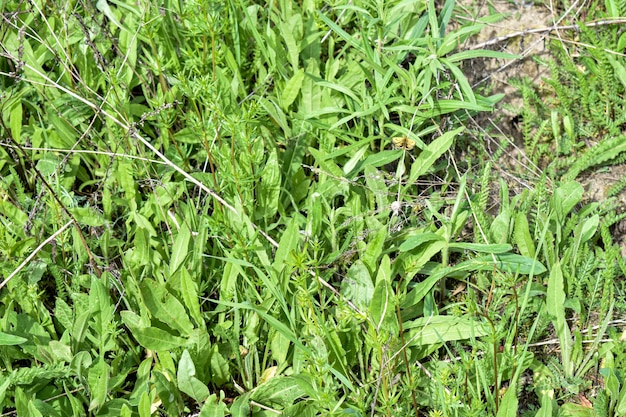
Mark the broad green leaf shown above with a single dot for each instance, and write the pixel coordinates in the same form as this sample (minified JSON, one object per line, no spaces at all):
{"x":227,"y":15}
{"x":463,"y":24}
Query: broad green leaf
{"x":164,"y":306}
{"x":314,"y":210}
{"x":618,"y":68}
{"x":188,"y":135}
{"x":125,"y":411}
{"x":269,"y":188}
{"x":352,"y":162}
{"x":79,"y":329}
{"x":228,"y":284}
{"x":291,"y":31}
{"x":374,"y":248}
{"x":21,"y":402}
{"x":416,"y":240}
{"x":104,"y":7}
{"x":88,"y":216}
{"x":620,"y":409}
{"x":144,"y":405}
{"x":151,"y":338}
{"x":288,"y":243}
{"x":481,"y":247}
{"x":7,"y":339}
{"x":461,"y":79}
{"x":77,"y":244}
{"x":555,"y":305}
{"x":280,"y":347}
{"x":420,"y":290}
{"x":311,"y":92}
{"x":144,"y":223}
{"x":500,"y":227}
{"x":279,"y":391}
{"x":566,"y":197}
{"x":180,"y":248}
{"x":15,"y":120}
{"x":546,"y":406}
{"x":384,"y":270}
{"x":143,"y":377}
{"x":48,"y":165}
{"x":168,"y":393}
{"x":128,"y":45}
{"x":166,"y":362}
{"x":124,"y":175}
{"x":189,"y":293}
{"x":241,"y":406}
{"x":431,"y":153}
{"x":276,"y":114}
{"x":65,"y":132}
{"x":139,"y":254}
{"x":101,"y":308}
{"x":13,"y":213}
{"x":357,"y":286}
{"x":621,"y":42}
{"x":338,"y":87}
{"x":509,"y":403}
{"x":4,"y":385}
{"x":480,"y":53}
{"x":303,"y":409}
{"x":60,"y":351}
{"x":375,"y":181}
{"x":383,"y":305}
{"x":611,"y":381}
{"x":588,"y":228}
{"x":380,"y":159}
{"x":508,"y":262}
{"x":337,"y":353}
{"x":98,"y":384}
{"x":213,"y":407}
{"x":521,"y":236}
{"x":187,"y":382}
{"x":427,"y":331}
{"x":220,"y":373}
{"x":324,"y":112}
{"x":33,"y":411}
{"x":576,"y":410}
{"x":292,"y":89}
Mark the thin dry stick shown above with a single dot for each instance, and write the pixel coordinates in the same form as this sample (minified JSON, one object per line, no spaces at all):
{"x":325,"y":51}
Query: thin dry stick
{"x":557,"y":22}
{"x":337,"y":293}
{"x":33,"y":253}
{"x":545,"y":30}
{"x":266,"y":408}
{"x":85,"y":151}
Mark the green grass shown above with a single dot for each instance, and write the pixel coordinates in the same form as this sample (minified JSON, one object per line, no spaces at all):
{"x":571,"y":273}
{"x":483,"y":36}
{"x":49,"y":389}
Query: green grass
{"x":232,"y":208}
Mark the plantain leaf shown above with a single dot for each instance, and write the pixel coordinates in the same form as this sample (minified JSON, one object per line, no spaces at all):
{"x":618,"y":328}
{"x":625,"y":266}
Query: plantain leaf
{"x":9,"y":339}
{"x":151,"y":338}
{"x":180,"y":248}
{"x":427,"y":331}
{"x":292,"y":89}
{"x":187,"y":382}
